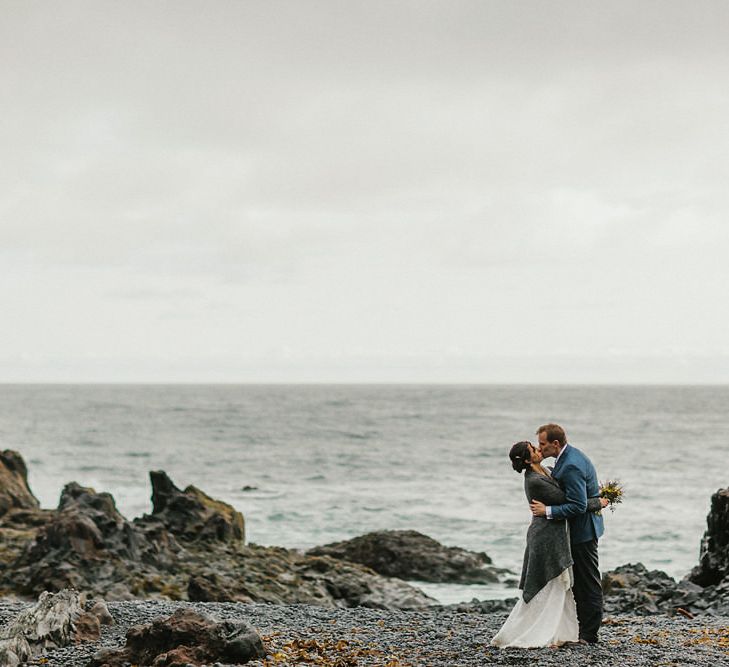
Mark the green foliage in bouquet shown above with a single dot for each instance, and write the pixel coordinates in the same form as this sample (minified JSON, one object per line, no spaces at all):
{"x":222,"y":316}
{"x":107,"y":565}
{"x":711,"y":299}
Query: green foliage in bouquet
{"x":613,"y":491}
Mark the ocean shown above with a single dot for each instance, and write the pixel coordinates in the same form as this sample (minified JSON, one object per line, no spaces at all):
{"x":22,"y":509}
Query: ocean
{"x":311,"y":464}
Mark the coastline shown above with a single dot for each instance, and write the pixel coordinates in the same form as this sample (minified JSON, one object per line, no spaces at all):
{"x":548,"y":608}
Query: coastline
{"x":342,"y":604}
{"x":297,"y":446}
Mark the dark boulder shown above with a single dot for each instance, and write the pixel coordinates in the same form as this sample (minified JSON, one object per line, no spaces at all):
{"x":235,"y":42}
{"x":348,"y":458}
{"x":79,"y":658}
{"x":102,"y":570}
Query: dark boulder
{"x":633,"y":589}
{"x":410,"y":555}
{"x":191,"y":514}
{"x":185,"y":638}
{"x":352,"y":585}
{"x":14,"y":489}
{"x":18,"y":529}
{"x":88,"y":545}
{"x":88,"y":522}
{"x":284,"y":576}
{"x":718,"y":598}
{"x":713,"y":564}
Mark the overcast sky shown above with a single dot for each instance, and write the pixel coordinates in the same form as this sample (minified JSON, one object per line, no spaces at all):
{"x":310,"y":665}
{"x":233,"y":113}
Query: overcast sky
{"x":364,"y":191}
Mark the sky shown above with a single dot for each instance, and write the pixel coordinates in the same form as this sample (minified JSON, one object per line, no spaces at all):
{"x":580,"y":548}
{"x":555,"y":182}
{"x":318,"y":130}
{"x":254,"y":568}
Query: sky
{"x":364,"y":191}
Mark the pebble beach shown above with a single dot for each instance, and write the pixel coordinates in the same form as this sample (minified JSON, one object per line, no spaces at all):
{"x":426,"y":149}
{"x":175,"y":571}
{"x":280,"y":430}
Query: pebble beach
{"x":303,"y":634}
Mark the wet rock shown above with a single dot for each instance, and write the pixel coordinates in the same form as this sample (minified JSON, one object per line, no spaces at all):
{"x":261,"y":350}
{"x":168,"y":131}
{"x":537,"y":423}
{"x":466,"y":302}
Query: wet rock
{"x":186,"y":638}
{"x":632,"y":576}
{"x":351,"y":585}
{"x":14,"y":489}
{"x":410,"y":555}
{"x":88,"y":522}
{"x":633,"y":589}
{"x":718,"y":598}
{"x":713,"y":564}
{"x":86,"y":544}
{"x":18,"y":529}
{"x":283,"y":576}
{"x":191,"y":514}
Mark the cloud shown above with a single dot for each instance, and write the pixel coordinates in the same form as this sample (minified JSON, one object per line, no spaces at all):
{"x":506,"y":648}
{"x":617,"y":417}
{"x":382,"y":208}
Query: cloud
{"x":407,"y":177}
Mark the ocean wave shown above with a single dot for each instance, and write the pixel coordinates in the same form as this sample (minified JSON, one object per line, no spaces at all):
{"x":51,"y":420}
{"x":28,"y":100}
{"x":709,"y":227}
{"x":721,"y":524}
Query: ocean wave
{"x":353,"y":435}
{"x":261,"y":494}
{"x":659,"y":537}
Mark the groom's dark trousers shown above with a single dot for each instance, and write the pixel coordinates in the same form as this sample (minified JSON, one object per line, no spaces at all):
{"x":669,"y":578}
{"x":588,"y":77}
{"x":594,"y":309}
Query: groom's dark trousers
{"x":587,"y":589}
{"x":577,"y":477}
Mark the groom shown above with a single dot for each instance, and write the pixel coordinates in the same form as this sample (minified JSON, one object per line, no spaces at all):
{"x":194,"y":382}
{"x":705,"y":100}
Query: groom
{"x":578,"y":479}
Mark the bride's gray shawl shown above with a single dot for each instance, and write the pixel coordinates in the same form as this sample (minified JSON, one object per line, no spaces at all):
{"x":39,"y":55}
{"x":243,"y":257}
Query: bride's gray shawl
{"x":547,"y":552}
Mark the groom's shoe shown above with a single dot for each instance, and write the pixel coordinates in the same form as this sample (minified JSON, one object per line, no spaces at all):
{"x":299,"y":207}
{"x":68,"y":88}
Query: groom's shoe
{"x":587,"y":641}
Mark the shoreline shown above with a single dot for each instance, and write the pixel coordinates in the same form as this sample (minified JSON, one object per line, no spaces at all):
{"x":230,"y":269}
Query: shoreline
{"x":193,"y":547}
{"x":443,"y":638}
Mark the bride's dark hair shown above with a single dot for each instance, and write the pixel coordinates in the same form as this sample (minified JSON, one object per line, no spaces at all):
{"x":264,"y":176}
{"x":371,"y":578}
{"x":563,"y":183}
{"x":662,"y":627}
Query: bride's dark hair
{"x":519,"y":455}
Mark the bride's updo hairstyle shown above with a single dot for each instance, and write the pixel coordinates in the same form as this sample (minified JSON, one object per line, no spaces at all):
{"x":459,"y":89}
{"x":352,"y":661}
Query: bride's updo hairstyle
{"x":520,"y":457}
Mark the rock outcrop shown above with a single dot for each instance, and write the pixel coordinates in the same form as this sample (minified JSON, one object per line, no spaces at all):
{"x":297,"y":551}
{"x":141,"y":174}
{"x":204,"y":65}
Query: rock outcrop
{"x":713,"y":567}
{"x":88,"y":545}
{"x":14,"y":490}
{"x":410,"y":555}
{"x":190,"y":547}
{"x":185,"y":638}
{"x":191,"y":514}
{"x":284,"y":576}
{"x":633,"y":589}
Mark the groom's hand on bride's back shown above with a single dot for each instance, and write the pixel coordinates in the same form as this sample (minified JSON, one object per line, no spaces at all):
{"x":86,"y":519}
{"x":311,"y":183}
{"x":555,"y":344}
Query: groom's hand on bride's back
{"x":537,"y":508}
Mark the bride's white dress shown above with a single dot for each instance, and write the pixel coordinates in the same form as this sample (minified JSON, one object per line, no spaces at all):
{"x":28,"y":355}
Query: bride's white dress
{"x":550,"y":617}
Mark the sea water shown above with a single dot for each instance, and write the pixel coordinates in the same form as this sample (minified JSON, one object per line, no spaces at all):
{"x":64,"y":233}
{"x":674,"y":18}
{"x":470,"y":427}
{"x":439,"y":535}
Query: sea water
{"x":311,"y":464}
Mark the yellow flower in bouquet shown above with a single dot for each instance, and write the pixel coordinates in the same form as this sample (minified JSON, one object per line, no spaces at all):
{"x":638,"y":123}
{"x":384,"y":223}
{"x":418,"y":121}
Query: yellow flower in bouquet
{"x":612,"y":490}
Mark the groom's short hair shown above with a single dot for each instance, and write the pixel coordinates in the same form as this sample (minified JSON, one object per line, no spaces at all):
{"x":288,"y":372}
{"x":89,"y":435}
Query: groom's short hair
{"x":554,"y":432}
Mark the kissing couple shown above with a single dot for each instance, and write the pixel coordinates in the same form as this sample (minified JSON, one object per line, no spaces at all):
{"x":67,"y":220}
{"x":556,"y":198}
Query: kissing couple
{"x":560,"y":581}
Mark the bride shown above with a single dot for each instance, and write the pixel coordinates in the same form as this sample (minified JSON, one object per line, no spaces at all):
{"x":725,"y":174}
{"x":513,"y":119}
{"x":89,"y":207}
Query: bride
{"x":546,"y":614}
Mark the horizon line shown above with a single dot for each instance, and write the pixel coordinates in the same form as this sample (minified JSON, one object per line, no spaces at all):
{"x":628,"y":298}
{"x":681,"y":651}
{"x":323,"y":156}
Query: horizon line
{"x":394,"y":383}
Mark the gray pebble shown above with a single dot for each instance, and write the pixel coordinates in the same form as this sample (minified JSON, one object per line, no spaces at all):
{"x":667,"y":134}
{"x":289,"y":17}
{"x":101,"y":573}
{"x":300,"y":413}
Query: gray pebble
{"x":445,"y":639}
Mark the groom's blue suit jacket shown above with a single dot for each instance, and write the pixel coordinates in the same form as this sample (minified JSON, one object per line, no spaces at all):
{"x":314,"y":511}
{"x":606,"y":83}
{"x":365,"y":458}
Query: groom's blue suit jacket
{"x":578,"y":479}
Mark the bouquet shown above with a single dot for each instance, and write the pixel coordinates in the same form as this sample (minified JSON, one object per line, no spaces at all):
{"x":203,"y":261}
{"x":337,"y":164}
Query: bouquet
{"x":613,"y":491}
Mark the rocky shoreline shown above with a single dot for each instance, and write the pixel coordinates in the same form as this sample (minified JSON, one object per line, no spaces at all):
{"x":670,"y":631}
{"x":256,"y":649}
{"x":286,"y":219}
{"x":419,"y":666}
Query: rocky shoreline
{"x":349,"y":603}
{"x":192,"y":547}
